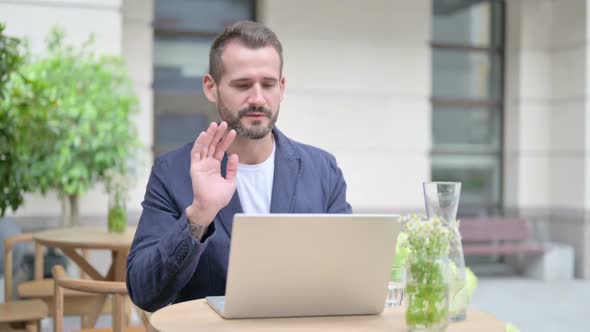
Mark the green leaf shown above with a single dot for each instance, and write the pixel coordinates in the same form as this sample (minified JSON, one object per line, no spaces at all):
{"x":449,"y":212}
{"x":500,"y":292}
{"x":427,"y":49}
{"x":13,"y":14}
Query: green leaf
{"x":69,"y":114}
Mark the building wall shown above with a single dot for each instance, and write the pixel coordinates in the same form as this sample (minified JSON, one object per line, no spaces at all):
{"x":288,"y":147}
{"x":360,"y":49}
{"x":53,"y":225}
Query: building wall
{"x":358,"y":85}
{"x":361,"y":91}
{"x":568,"y":146}
{"x":546,"y":168}
{"x":120,"y":28}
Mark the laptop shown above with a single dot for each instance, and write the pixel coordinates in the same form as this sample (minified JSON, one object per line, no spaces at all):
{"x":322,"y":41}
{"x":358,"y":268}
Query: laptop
{"x":294,"y":265}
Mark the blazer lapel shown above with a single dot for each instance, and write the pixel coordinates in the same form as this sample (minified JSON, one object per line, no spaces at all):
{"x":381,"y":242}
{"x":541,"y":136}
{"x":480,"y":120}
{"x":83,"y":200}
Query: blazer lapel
{"x":287,"y":169}
{"x":226,"y":215}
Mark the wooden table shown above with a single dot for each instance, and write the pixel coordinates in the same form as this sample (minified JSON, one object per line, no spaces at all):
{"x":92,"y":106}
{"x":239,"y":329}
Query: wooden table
{"x":198,"y":316}
{"x":69,"y":240}
{"x":91,"y":237}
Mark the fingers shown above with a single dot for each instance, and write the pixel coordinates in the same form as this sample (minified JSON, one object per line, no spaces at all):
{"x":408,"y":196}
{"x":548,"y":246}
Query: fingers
{"x":213,"y":143}
{"x":232,"y":168}
{"x":204,"y":148}
{"x":219,"y":133}
{"x":224,"y":144}
{"x":196,"y":150}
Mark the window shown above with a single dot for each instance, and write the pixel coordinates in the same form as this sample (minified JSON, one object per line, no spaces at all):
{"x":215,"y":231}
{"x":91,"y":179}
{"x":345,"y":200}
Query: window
{"x":183,"y":33}
{"x":467,"y":100}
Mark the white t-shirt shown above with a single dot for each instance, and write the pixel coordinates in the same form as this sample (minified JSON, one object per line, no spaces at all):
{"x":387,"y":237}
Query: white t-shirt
{"x":255,"y":185}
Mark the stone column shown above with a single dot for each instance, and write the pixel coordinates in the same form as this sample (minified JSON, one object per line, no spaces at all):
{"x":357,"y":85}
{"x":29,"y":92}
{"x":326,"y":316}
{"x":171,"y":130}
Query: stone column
{"x":137,"y":49}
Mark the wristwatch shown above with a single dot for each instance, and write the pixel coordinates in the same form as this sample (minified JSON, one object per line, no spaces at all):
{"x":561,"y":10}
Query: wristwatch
{"x":197,"y":231}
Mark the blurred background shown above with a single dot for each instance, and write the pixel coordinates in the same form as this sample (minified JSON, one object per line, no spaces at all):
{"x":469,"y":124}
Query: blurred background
{"x":491,"y":93}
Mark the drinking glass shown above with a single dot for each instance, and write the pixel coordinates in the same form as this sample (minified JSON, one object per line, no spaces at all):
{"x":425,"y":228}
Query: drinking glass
{"x":395,"y":287}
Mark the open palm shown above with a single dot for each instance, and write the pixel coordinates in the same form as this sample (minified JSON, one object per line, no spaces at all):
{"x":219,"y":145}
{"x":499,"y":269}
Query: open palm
{"x":212,"y":192}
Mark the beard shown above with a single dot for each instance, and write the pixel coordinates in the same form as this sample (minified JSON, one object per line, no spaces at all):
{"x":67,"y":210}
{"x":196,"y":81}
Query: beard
{"x":255,"y":129}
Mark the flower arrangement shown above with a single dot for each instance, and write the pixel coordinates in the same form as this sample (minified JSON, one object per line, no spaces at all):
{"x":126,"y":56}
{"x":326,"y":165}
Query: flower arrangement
{"x":427,"y":287}
{"x":419,"y":241}
{"x":427,"y":237}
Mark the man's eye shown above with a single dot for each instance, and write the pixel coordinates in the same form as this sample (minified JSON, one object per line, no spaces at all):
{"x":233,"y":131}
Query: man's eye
{"x":242,"y":86}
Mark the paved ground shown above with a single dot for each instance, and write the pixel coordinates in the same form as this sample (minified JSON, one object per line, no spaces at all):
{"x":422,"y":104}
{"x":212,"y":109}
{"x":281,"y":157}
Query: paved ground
{"x":536,"y":306}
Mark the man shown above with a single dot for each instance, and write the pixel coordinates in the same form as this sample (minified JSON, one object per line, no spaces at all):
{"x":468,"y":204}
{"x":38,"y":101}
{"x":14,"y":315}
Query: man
{"x":181,"y":247}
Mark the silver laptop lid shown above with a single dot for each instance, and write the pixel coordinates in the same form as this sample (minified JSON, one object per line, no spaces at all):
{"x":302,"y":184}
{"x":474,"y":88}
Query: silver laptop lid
{"x":309,"y":265}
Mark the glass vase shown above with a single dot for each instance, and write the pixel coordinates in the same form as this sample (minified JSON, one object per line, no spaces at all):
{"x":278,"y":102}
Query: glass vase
{"x":442,"y":200}
{"x":427,"y":294}
{"x":117,"y":217}
{"x":458,"y":297}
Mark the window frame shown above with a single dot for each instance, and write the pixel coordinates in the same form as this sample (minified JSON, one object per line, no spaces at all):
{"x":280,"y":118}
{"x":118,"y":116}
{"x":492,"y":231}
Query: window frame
{"x":496,"y":48}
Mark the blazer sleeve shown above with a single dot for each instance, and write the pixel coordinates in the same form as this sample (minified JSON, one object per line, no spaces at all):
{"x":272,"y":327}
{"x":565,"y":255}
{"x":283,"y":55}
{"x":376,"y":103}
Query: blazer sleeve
{"x":337,"y":201}
{"x":163,"y":255}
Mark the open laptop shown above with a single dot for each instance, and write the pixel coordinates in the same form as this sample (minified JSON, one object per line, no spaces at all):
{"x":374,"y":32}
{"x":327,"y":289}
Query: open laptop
{"x":289,"y":265}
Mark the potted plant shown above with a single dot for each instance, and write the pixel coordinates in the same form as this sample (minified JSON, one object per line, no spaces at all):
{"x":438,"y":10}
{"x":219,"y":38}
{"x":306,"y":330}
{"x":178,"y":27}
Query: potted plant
{"x":22,"y":133}
{"x":14,"y":179}
{"x":23,"y":128}
{"x":85,"y":101}
{"x":117,"y":183}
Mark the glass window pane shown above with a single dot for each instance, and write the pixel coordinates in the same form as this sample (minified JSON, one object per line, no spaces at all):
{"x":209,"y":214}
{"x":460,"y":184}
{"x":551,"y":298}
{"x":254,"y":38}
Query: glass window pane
{"x":464,"y":74}
{"x":184,"y":32}
{"x":208,"y":16}
{"x":180,"y":62}
{"x":480,"y":177}
{"x":466,"y":129}
{"x":179,"y":117}
{"x":466,"y":22}
{"x":178,"y":129}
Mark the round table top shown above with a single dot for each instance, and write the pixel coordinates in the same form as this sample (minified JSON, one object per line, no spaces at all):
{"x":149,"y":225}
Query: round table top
{"x":89,"y":237}
{"x":196,"y":315}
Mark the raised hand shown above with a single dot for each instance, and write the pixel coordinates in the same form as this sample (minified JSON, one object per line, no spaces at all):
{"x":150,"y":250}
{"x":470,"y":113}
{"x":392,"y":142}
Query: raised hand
{"x":212,"y":192}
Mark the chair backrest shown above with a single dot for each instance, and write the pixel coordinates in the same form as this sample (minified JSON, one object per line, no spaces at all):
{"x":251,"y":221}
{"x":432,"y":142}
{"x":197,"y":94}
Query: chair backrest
{"x":9,"y":244}
{"x":117,"y":289}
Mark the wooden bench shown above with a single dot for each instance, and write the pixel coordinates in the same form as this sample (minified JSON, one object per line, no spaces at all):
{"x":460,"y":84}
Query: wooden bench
{"x":497,"y":236}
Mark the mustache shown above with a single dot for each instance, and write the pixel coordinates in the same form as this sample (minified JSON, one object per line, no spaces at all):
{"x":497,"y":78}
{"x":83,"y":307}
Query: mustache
{"x":250,"y":110}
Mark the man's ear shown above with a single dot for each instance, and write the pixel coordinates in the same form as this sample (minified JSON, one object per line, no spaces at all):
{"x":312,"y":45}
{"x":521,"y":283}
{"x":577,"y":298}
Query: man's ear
{"x":282,"y":84}
{"x":210,"y":88}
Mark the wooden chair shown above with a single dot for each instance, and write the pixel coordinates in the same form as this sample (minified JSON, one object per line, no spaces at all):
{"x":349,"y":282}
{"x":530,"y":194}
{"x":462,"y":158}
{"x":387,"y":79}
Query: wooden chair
{"x":117,"y":289}
{"x":77,"y":304}
{"x":22,"y":315}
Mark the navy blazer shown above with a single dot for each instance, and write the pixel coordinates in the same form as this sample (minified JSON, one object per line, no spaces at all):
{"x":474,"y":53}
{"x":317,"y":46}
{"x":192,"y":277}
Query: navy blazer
{"x":166,"y":264}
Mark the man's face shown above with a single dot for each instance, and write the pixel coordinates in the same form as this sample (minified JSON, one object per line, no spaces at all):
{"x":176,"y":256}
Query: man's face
{"x":250,"y":90}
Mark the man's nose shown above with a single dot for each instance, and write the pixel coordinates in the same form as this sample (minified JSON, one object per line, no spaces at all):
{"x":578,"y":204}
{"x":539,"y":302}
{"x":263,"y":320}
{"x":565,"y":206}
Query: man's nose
{"x":256,"y":98}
